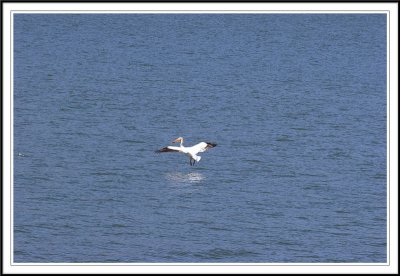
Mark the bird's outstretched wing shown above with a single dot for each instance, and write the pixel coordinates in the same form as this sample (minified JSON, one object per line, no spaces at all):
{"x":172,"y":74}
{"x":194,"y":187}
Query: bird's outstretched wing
{"x":201,"y":147}
{"x":169,"y":149}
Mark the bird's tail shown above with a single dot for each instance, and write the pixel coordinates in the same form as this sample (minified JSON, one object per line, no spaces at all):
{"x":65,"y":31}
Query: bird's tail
{"x":198,"y":158}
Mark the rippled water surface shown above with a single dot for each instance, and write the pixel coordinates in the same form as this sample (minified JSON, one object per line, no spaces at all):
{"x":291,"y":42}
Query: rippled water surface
{"x":295,"y":102}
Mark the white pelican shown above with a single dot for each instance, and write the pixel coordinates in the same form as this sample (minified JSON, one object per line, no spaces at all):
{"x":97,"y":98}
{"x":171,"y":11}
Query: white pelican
{"x":190,"y":151}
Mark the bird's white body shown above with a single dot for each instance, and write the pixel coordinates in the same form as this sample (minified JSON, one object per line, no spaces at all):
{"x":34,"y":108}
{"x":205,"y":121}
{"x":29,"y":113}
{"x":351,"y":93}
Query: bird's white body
{"x":189,"y":151}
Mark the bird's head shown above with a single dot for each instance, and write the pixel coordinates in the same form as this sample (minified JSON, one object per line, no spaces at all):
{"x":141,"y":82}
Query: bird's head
{"x":178,"y":140}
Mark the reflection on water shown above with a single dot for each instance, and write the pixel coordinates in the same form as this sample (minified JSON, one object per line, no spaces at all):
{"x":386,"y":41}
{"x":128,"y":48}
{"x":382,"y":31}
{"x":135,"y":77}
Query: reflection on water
{"x":192,"y":177}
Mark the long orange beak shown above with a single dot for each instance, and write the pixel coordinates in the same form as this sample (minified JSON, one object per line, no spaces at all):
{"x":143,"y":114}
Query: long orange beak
{"x":176,"y":140}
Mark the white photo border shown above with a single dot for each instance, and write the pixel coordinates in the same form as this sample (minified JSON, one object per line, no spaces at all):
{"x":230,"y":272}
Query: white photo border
{"x":388,"y":8}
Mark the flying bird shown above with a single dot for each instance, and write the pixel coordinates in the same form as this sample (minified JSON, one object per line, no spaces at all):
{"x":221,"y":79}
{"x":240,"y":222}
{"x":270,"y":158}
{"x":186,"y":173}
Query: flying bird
{"x":189,"y":151}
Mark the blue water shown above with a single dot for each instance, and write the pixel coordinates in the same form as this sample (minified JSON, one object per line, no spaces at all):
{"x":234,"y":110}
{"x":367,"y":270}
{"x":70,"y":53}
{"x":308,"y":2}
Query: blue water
{"x":295,"y":102}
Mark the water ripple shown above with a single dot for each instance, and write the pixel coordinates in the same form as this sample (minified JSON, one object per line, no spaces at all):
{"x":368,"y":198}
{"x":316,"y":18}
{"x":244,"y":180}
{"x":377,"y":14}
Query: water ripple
{"x":192,"y":177}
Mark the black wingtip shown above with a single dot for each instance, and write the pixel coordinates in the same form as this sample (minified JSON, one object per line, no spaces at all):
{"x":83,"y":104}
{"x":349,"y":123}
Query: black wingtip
{"x":211,"y":145}
{"x":166,"y":149}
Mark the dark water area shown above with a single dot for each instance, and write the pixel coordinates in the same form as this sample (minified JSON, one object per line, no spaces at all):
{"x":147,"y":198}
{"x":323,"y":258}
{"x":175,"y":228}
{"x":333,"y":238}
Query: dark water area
{"x":295,"y":102}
